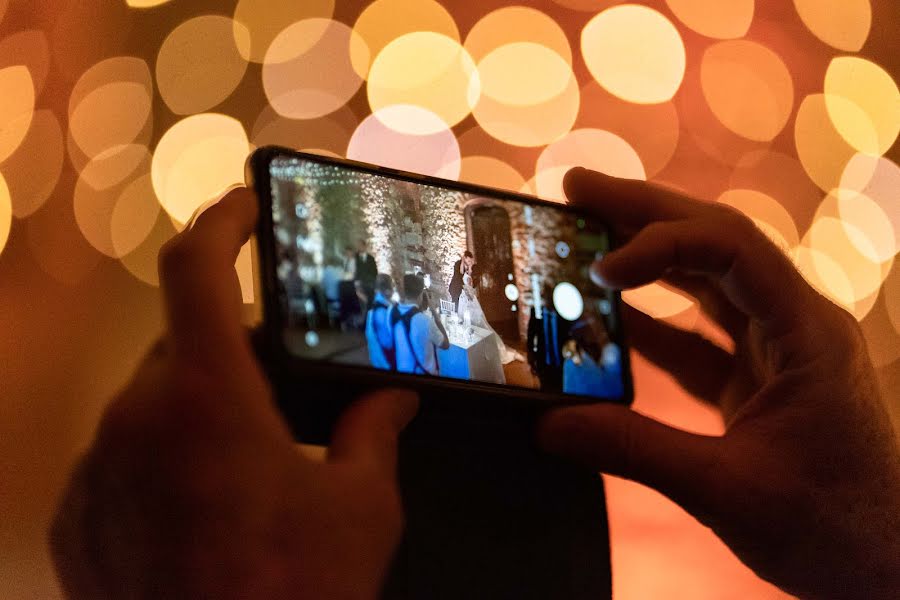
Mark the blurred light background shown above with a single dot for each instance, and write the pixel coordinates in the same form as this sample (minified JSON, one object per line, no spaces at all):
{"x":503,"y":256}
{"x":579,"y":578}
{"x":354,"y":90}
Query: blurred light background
{"x":118,"y":118}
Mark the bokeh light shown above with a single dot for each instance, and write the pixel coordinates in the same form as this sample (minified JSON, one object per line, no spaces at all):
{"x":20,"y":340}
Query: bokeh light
{"x":834,"y":247}
{"x":5,"y":213}
{"x":653,"y":130}
{"x":383,"y":21}
{"x":863,"y":103}
{"x":516,"y":107}
{"x":843,"y":24}
{"x":111,"y":105}
{"x":491,"y":172}
{"x":199,"y":65}
{"x":196,"y":160}
{"x":524,"y":74}
{"x":634,"y":52}
{"x":34,"y":168}
{"x":113,"y":213}
{"x":590,"y":148}
{"x":307,"y":72}
{"x":769,"y":215}
{"x":782,"y":177}
{"x":16,"y":108}
{"x":258,"y":22}
{"x":722,"y":19}
{"x":512,"y":24}
{"x":748,"y":87}
{"x":436,"y":154}
{"x":870,"y":192}
{"x":142,"y":263}
{"x":424,"y":69}
{"x":823,"y":152}
{"x":31,"y":49}
{"x":658,"y":301}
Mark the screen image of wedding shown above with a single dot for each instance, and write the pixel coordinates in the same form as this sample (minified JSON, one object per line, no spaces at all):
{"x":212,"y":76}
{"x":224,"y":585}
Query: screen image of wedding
{"x":413,"y":278}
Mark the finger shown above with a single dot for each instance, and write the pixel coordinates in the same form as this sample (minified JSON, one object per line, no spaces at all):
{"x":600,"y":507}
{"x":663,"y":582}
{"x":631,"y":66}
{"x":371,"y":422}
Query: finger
{"x":712,"y":301}
{"x":199,"y":282}
{"x":628,"y":203}
{"x":367,"y":432}
{"x":700,"y":366}
{"x":753,"y":274}
{"x":616,"y":440}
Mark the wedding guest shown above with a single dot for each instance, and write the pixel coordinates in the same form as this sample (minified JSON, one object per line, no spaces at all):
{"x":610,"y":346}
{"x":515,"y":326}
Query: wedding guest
{"x":418,"y":333}
{"x":332,"y":275}
{"x":545,"y":337}
{"x":365,"y":270}
{"x":379,"y":334}
{"x":584,"y":376}
{"x":465,"y":265}
{"x":349,"y":264}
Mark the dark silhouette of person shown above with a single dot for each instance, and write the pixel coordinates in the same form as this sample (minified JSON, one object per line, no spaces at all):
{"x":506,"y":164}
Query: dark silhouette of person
{"x":366,"y":271}
{"x":464,"y":265}
{"x":546,"y":335}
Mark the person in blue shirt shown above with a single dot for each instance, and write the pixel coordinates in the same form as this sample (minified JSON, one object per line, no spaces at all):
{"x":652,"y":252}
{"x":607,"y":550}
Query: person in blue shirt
{"x":585,"y":376}
{"x":418,"y":331}
{"x":379,"y":334}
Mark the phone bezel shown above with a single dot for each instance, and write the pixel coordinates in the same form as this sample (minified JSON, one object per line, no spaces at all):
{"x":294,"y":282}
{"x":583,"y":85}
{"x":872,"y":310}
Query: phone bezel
{"x":258,"y":178}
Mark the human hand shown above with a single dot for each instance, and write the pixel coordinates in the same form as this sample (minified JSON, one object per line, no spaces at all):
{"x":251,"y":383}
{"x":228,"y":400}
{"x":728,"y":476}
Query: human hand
{"x":194,"y":488}
{"x":804,"y":486}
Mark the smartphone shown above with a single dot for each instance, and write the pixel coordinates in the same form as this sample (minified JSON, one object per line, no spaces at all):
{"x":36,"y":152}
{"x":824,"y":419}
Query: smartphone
{"x":383,"y":277}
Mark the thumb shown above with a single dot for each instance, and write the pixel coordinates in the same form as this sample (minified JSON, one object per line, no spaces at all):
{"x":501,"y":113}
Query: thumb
{"x":617,"y":440}
{"x":367,"y":431}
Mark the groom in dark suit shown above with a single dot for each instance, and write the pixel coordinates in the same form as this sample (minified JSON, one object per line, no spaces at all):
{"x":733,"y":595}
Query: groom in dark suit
{"x":463,"y":265}
{"x":366,"y":271}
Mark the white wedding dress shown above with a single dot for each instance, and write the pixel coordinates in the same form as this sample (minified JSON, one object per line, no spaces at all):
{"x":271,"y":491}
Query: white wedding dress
{"x":468,"y":301}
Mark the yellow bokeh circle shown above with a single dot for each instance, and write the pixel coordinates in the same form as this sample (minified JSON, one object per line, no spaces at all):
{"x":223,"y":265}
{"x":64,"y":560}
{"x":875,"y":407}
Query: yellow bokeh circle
{"x":31,"y":180}
{"x":196,"y":160}
{"x":424,"y":69}
{"x":843,"y":24}
{"x":16,"y":108}
{"x":822,"y":151}
{"x":768,"y":214}
{"x":111,"y":105}
{"x":525,"y":106}
{"x":491,"y":172}
{"x":512,"y":24}
{"x":524,"y":74}
{"x":116,"y":210}
{"x":863,"y":102}
{"x":383,"y":21}
{"x":721,"y":19}
{"x":593,"y":149}
{"x":436,"y":153}
{"x":199,"y":66}
{"x":258,"y":22}
{"x":869,"y":197}
{"x":634,"y":52}
{"x":748,"y":88}
{"x":307,"y":71}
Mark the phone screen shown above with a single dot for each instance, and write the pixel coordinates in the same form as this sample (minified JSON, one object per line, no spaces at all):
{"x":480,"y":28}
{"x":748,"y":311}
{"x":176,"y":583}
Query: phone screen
{"x":438,"y":280}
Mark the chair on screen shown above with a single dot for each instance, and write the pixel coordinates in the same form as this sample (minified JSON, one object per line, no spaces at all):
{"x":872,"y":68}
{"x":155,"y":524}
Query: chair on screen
{"x":447,"y":307}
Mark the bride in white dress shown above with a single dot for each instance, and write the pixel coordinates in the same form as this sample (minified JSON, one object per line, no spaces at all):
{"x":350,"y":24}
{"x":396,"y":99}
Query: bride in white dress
{"x":468,"y":301}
